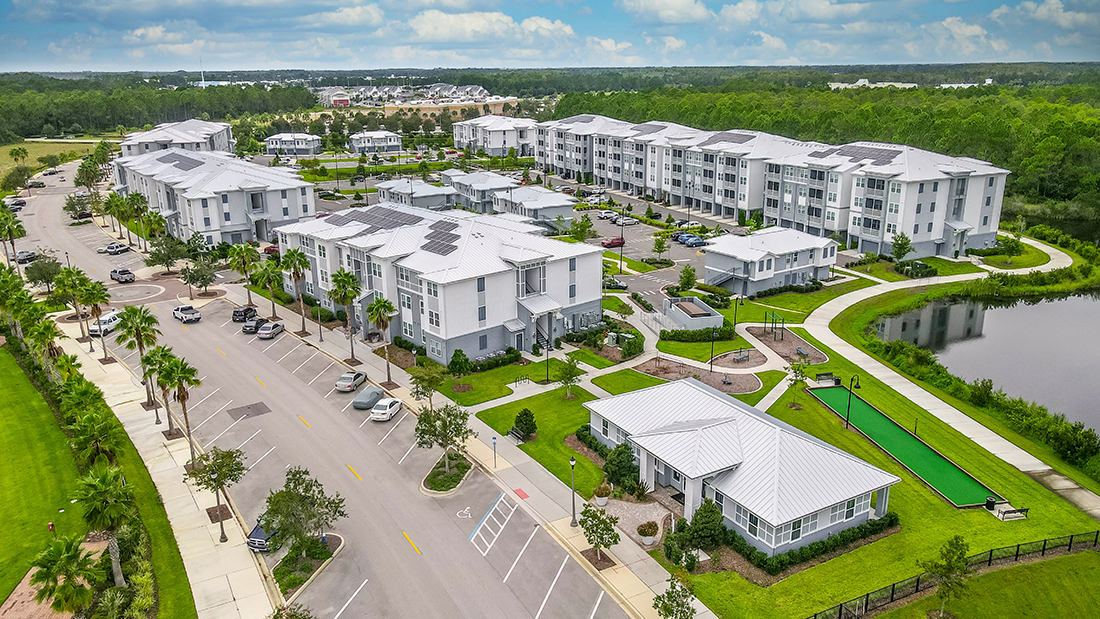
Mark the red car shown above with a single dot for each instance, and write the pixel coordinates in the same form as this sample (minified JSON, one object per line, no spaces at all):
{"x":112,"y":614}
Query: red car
{"x":615,"y":241}
{"x":271,"y":249}
{"x":568,"y":190}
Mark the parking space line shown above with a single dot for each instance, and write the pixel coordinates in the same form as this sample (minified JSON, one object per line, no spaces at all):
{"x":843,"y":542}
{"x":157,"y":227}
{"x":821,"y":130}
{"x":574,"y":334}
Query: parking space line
{"x":330,"y":391}
{"x":262,"y":457}
{"x":226,"y":322}
{"x":345,"y":606}
{"x":406,"y":453}
{"x":194,"y":406}
{"x":391,"y":429}
{"x":319,"y":374}
{"x":304,"y":362}
{"x":304,"y":421}
{"x":411,"y":542}
{"x":483,"y":526}
{"x":250,"y":438}
{"x":346,"y":408}
{"x":212,"y":415}
{"x":353,"y":471}
{"x":522,"y":550}
{"x":222,"y":352}
{"x":243,"y":417}
{"x":290,"y":351}
{"x":255,"y":337}
{"x":597,"y":606}
{"x":277,"y":340}
{"x":551,"y":589}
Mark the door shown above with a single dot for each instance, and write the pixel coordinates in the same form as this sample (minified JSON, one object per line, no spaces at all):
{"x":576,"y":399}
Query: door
{"x":519,"y":341}
{"x":235,"y":238}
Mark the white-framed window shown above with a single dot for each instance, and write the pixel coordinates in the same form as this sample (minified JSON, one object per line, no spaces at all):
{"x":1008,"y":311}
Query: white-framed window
{"x":895,"y":187}
{"x":830,"y":215}
{"x":834,"y":177}
{"x":832,"y":197}
{"x":433,"y":319}
{"x":891,"y":228}
{"x":572,"y":291}
{"x":857,"y":202}
{"x":481,"y":313}
{"x":406,"y":301}
{"x":321,"y":251}
{"x":324,"y":277}
{"x":282,"y":239}
{"x":856,"y":221}
{"x":892,"y":208}
{"x":406,"y":329}
{"x":433,"y":289}
{"x":604,"y":429}
{"x":376,"y":269}
{"x":435,"y":347}
{"x":849,"y":509}
{"x":861,"y":181}
{"x":309,"y":287}
{"x":796,"y":529}
{"x":754,"y":525}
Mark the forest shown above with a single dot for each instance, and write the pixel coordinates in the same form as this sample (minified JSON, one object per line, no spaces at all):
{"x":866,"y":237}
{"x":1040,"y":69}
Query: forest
{"x":1048,"y":137}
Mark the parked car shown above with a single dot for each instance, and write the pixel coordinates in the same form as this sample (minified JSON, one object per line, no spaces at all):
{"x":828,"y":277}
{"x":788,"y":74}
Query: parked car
{"x":49,"y":173}
{"x":350,"y":381}
{"x":23,"y":256}
{"x":596,"y":199}
{"x":14,"y":202}
{"x":680,"y":223}
{"x":568,"y":190}
{"x":271,"y":249}
{"x":675,"y":236}
{"x":83,"y":215}
{"x":598,"y":190}
{"x":259,"y":540}
{"x":106,"y":323}
{"x":35,"y":185}
{"x":243,"y":313}
{"x":115,"y":249}
{"x":102,"y":249}
{"x":610,"y":283}
{"x":253,"y":325}
{"x":607,"y":215}
{"x":683,"y":240}
{"x":690,"y":224}
{"x":186,"y":313}
{"x":695,"y":242}
{"x":122,"y":276}
{"x":367,"y":398}
{"x":270,"y":330}
{"x":385,"y":409}
{"x":628,"y":221}
{"x":615,"y":241}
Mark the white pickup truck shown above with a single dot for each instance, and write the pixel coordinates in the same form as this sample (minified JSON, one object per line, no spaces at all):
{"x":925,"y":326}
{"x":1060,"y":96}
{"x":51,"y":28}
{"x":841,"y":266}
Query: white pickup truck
{"x":186,"y":313}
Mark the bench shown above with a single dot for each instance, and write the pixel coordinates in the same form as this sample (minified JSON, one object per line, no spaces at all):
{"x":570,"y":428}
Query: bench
{"x":820,"y":376}
{"x":726,"y":380}
{"x":1012,"y":514}
{"x":801,"y":353}
{"x":516,"y":434}
{"x":741,"y":357}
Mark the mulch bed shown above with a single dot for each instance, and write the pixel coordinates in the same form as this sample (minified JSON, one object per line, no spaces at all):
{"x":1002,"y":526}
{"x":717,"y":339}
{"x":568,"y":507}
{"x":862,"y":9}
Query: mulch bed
{"x":726,"y":360}
{"x":400,"y":357}
{"x":333,"y":542}
{"x":674,"y":370}
{"x":353,"y":362}
{"x":461,"y":387}
{"x":599,"y":562}
{"x":611,"y":353}
{"x":107,"y":361}
{"x":171,"y":435}
{"x":215,"y":517}
{"x":573,"y":443}
{"x":302,"y":333}
{"x":208,"y":294}
{"x":787,"y":347}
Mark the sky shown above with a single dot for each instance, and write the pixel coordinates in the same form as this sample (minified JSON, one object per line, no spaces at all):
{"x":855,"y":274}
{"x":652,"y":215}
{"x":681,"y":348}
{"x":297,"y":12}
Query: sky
{"x":163,"y":35}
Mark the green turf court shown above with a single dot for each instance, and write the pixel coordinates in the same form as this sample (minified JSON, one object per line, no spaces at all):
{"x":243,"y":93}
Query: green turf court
{"x":946,"y":478}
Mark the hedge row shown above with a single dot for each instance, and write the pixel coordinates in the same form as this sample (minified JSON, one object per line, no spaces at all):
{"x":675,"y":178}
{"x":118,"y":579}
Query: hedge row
{"x":725,"y":332}
{"x":1054,"y":236}
{"x":642,"y":301}
{"x":813,"y":286}
{"x":714,"y":290}
{"x":584,"y":435}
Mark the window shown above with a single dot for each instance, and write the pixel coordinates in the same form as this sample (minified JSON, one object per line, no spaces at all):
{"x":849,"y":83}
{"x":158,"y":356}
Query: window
{"x":832,"y":196}
{"x":932,"y":208}
{"x":436,"y":348}
{"x":988,"y":199}
{"x":321,"y":251}
{"x":935,"y":186}
{"x":992,"y":180}
{"x":421,"y":307}
{"x":309,"y":285}
{"x":769,"y":266}
{"x":572,"y":291}
{"x":376,"y":269}
{"x":284,"y":194}
{"x":918,"y":209}
{"x":760,"y":267}
{"x":916,"y":228}
{"x":226,"y":216}
{"x":895,"y":187}
{"x":324,"y":277}
{"x":225,"y":198}
{"x":406,"y":301}
{"x":929,"y":226}
{"x":892,"y":208}
{"x":480,"y":313}
{"x":856,"y":221}
{"x":433,"y":289}
{"x":675,"y":473}
{"x":719,"y":500}
{"x":604,"y":429}
{"x":303,"y":191}
{"x":433,"y":319}
{"x":891,"y":228}
{"x":210,"y":241}
{"x":206,"y":221}
{"x":483,"y":342}
{"x":204,"y":202}
{"x":572,"y":267}
{"x":920,"y":188}
{"x":286,"y":211}
{"x":305,"y":208}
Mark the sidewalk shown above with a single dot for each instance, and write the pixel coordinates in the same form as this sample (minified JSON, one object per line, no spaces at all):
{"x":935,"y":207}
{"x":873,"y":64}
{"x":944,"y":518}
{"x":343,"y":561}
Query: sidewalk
{"x":226,"y":579}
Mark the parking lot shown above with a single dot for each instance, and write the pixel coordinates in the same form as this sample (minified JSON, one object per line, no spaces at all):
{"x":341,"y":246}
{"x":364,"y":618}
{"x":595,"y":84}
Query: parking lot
{"x":639,"y":245}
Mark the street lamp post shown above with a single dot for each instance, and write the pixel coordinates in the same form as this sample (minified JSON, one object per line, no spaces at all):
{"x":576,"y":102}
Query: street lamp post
{"x":740,"y":301}
{"x":573,"y":487}
{"x":494,"y":453}
{"x":854,"y":380}
{"x":713,"y":334}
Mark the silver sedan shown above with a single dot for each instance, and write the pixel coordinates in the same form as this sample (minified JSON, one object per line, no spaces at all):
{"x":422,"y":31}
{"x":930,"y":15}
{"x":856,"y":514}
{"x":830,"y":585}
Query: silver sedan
{"x":350,"y":381}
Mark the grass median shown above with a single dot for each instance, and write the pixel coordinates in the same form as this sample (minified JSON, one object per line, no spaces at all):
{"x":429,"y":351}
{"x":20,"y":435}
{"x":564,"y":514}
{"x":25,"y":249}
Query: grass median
{"x":768,"y":380}
{"x":590,"y":358}
{"x":1032,"y":257}
{"x":625,"y":380}
{"x":493,"y":384}
{"x":700,"y":351}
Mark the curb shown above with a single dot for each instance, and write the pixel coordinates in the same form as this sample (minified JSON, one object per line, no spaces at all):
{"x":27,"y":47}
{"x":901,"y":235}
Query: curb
{"x":436,"y":493}
{"x":317,"y":572}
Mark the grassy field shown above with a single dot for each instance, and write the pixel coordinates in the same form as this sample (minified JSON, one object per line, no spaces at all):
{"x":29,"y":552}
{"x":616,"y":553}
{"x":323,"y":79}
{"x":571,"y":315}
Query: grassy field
{"x":751,"y":311}
{"x":37,"y":475}
{"x":617,"y":305}
{"x":587,"y":356}
{"x":927,"y":520}
{"x":625,"y":380}
{"x":1032,"y":257}
{"x":495,"y":383}
{"x":40,"y":149}
{"x":629,"y":263}
{"x":700,"y":351}
{"x":882,"y":270}
{"x":807,"y":302}
{"x":950,"y":267}
{"x":1054,"y":589}
{"x":769,"y":378}
{"x":556,"y":418}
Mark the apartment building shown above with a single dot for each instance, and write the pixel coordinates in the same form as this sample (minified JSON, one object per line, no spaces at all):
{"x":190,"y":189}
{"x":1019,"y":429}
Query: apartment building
{"x":294,"y":144}
{"x":768,"y":258}
{"x":415,"y":192}
{"x":215,"y":194}
{"x":380,"y":141}
{"x":808,"y":186}
{"x":189,"y":135}
{"x":496,"y":135}
{"x":476,"y":190}
{"x":538,"y":203}
{"x":459,"y":280}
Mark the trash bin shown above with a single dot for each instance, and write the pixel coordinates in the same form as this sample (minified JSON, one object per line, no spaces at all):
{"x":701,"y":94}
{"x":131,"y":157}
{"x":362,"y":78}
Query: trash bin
{"x":990,"y":503}
{"x":836,"y":381}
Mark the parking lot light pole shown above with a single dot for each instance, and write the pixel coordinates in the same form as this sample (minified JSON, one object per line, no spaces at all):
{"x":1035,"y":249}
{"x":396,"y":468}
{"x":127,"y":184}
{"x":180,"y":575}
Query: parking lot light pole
{"x":713,"y":334}
{"x":622,"y":237}
{"x":854,"y":380}
{"x":740,"y":301}
{"x":573,"y":487}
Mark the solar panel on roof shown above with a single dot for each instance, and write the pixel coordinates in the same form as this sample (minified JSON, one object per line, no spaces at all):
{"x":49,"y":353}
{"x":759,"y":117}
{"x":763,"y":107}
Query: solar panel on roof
{"x":439,"y":235}
{"x":438,"y":247}
{"x":180,"y":161}
{"x":444,"y":224}
{"x":878,"y":156}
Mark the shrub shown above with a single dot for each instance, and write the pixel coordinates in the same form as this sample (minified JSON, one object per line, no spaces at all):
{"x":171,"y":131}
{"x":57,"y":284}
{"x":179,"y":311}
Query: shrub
{"x":511,"y":355}
{"x":525,"y":423}
{"x":536,"y":349}
{"x":660,"y":263}
{"x":915,"y":268}
{"x":321,"y":313}
{"x":717,"y":302}
{"x":714,"y":290}
{"x":707,"y":525}
{"x":619,"y":465}
{"x":603,"y":490}
{"x":632,"y":346}
{"x":725,"y":332}
{"x":691,"y":559}
{"x":404,"y":344}
{"x":584,"y":435}
{"x":868,"y":258}
{"x":641,"y":301}
{"x":648,"y":529}
{"x":308,"y":300}
{"x":460,"y":364}
{"x":672,"y":551}
{"x":813,"y":286}
{"x":342,"y":315}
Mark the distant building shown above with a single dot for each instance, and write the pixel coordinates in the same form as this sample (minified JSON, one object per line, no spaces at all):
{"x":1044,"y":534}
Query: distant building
{"x":768,"y":258}
{"x":538,"y":203}
{"x":214,"y":194}
{"x":375,"y":142}
{"x":496,"y":135}
{"x":417,"y":193}
{"x":476,"y":190}
{"x":294,"y":144}
{"x":334,"y":97}
{"x":190,"y":135}
{"x":862,"y":83}
{"x":988,"y":82}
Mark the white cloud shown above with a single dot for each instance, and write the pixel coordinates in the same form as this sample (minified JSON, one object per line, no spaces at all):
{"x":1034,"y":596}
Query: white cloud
{"x":152,"y":35}
{"x":608,"y":52}
{"x":740,"y":14}
{"x":454,"y":5}
{"x":663,"y":44}
{"x":770,"y":43}
{"x":364,"y":15}
{"x":1049,"y":11}
{"x":815,"y":10}
{"x":480,"y":27}
{"x":1044,"y":48}
{"x":667,"y":11}
{"x":584,"y":10}
{"x":1070,"y":39}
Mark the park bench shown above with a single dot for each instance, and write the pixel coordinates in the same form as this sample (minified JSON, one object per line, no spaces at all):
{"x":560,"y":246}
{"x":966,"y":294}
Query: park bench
{"x":726,"y":380}
{"x":741,"y":357}
{"x":1012,"y":514}
{"x":823,"y":376}
{"x":516,"y":434}
{"x":801,"y":353}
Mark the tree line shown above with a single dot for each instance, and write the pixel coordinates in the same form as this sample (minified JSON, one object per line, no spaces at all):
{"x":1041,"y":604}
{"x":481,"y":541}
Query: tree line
{"x":1048,"y":137}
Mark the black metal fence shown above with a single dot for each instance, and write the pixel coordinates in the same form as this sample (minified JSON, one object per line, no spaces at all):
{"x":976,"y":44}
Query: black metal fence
{"x":857,"y":607}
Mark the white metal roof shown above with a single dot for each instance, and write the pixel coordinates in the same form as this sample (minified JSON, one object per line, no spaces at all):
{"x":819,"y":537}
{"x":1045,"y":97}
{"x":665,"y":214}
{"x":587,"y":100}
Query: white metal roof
{"x":779,"y":472}
{"x":499,"y":123}
{"x":416,"y":188}
{"x":293,"y":136}
{"x":191,"y":131}
{"x":533,"y":197}
{"x":205,"y":174}
{"x":774,"y":241}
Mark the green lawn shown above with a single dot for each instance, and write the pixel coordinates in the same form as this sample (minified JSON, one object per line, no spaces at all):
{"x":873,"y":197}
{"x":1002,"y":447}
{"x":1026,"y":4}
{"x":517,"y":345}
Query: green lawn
{"x":950,"y":267}
{"x":927,"y":520}
{"x":556,"y":418}
{"x":37,"y":475}
{"x":496,"y":383}
{"x":700,"y":351}
{"x":565,"y":239}
{"x":587,"y":356}
{"x":769,"y":378}
{"x":807,"y":302}
{"x":751,"y":311}
{"x":41,"y":149}
{"x":1032,"y":257}
{"x":1054,"y":589}
{"x":617,"y":305}
{"x":629,"y":263}
{"x":625,"y":380}
{"x":882,"y":270}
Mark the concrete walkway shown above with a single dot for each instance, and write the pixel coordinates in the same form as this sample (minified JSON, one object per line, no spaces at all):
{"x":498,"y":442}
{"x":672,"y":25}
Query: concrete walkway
{"x":227,"y":581}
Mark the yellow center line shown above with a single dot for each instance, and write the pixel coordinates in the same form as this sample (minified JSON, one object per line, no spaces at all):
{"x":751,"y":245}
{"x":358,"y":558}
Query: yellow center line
{"x":349,"y":468}
{"x":152,"y":306}
{"x":223,"y":354}
{"x":309,"y":426}
{"x":185,"y":327}
{"x":259,"y":381}
{"x":411,"y":542}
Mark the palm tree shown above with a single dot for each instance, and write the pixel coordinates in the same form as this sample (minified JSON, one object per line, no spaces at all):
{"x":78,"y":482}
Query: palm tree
{"x":113,"y":205}
{"x":137,"y":328}
{"x":268,"y":275}
{"x":64,"y":571}
{"x":69,"y":283}
{"x":138,"y":206}
{"x":25,"y":312}
{"x":181,"y":376}
{"x":243,"y":258}
{"x":155,"y":224}
{"x":97,"y":433}
{"x":67,"y":366}
{"x":79,"y":395}
{"x":94,"y":294}
{"x":155,"y":361}
{"x":44,"y":334}
{"x":10,"y":229}
{"x":346,"y":288}
{"x":297,"y":264}
{"x":379,"y":312}
{"x":125,"y":213}
{"x":107,"y":503}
